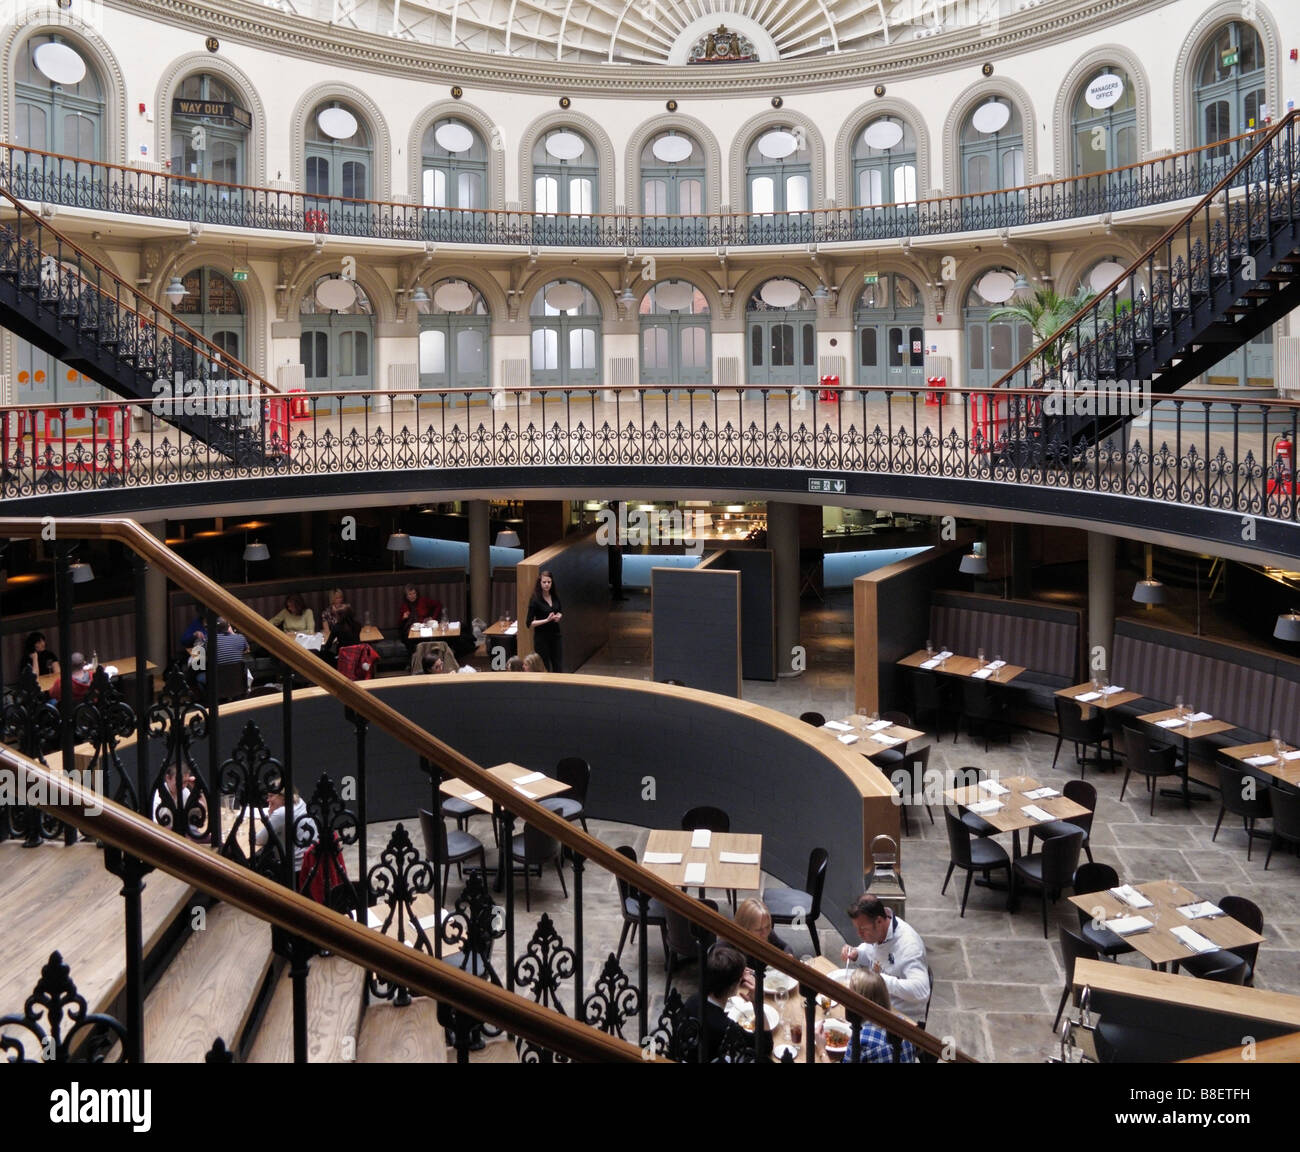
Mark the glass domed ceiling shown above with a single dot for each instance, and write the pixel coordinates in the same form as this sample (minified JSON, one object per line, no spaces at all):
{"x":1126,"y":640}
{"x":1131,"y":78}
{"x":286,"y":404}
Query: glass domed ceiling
{"x":659,"y":31}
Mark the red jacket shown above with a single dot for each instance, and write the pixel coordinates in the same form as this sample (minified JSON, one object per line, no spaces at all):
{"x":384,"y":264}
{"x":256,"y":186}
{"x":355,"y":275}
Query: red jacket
{"x":424,"y":608}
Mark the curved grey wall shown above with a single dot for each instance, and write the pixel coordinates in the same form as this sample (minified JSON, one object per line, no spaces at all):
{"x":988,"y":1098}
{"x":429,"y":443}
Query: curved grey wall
{"x":653,"y":755}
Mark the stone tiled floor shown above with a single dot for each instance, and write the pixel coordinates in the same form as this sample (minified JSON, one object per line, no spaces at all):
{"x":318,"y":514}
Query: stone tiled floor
{"x":997,"y":980}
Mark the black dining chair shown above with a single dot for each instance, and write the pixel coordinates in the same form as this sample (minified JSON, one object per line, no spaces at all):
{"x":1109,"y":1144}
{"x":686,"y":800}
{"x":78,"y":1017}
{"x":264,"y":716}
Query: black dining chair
{"x":1142,"y":758}
{"x":969,"y":776}
{"x":453,"y":847}
{"x":532,"y":848}
{"x":681,"y":944}
{"x":1215,"y":965}
{"x":929,"y":697}
{"x":1083,"y":794}
{"x":986,"y":703}
{"x":890,"y":756}
{"x":1051,"y":871}
{"x":971,"y":855}
{"x":629,"y":903}
{"x":1243,"y":795}
{"x":1083,"y":734}
{"x":908,"y":778}
{"x":795,"y":905}
{"x":1286,"y":820}
{"x":816,"y":719}
{"x":1090,"y":878}
{"x":576,"y":773}
{"x":1073,"y":948}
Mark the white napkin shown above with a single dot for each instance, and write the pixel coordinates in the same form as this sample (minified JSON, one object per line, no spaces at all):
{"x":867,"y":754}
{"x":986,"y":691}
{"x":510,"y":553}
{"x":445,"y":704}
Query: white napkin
{"x":1200,"y":910}
{"x":662,"y":858}
{"x":700,"y":838}
{"x":1040,"y":794}
{"x":930,"y":663}
{"x":1088,"y":697}
{"x":881,"y":725}
{"x":1128,"y":925}
{"x":996,"y":664}
{"x":1291,"y":755}
{"x":848,"y":738}
{"x":525,"y":792}
{"x":984,"y":807}
{"x":1260,"y":761}
{"x":838,"y":726}
{"x":1127,"y":894}
{"x":1111,"y":690}
{"x":531,"y":778}
{"x":982,"y":674}
{"x":1194,"y":940}
{"x":512,"y":629}
{"x":1036,"y":813}
{"x":993,"y":788}
{"x":887,"y":741}
{"x":472,"y":796}
{"x":1172,"y":722}
{"x":110,"y":670}
{"x":1197,"y":717}
{"x":695,"y":873}
{"x":945,"y":655}
{"x":452,"y":624}
{"x":426,"y":630}
{"x":738,"y":857}
{"x":312,"y":641}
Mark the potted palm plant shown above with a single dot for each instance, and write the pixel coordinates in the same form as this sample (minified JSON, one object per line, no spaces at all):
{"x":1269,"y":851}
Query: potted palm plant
{"x":1046,"y":313}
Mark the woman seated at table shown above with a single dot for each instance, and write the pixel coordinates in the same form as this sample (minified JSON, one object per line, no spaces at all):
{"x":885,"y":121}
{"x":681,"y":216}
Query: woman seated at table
{"x":37,"y":657}
{"x":330,"y":613}
{"x":344,"y":631}
{"x":82,"y":674}
{"x":534,"y":663}
{"x":415,"y":609}
{"x":753,"y":916}
{"x":294,"y":617}
{"x":874,"y":1047}
{"x":725,"y":976}
{"x":433,"y":657}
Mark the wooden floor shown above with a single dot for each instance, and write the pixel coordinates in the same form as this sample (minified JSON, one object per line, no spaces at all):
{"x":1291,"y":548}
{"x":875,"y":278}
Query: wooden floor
{"x":60,"y":897}
{"x":334,"y":991}
{"x":410,"y":1035}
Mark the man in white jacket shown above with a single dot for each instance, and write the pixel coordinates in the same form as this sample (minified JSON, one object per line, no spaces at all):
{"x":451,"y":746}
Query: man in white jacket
{"x":893,"y":948}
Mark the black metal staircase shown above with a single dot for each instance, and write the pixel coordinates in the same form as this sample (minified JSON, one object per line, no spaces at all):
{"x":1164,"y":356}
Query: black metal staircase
{"x":1218,"y":277}
{"x":63,"y":301}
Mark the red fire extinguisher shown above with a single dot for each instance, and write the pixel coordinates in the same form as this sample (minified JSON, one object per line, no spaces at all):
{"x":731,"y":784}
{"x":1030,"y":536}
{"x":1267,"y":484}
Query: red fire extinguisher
{"x":1283,"y":464}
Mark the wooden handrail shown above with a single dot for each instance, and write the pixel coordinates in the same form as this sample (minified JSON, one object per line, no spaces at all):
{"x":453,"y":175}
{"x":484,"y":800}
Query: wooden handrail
{"x":256,"y":894}
{"x":214,"y":596}
{"x":1290,"y":118}
{"x":214,"y":351}
{"x":217,"y":186}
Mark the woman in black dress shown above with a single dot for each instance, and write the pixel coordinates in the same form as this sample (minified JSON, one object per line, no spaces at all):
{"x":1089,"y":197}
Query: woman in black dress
{"x":544,"y":618}
{"x":37,"y":657}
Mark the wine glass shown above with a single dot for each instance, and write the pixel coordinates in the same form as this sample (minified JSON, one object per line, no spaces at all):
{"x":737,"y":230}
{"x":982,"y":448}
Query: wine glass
{"x":979,"y":655}
{"x":1276,"y":737}
{"x":929,"y":649}
{"x":1178,"y":706}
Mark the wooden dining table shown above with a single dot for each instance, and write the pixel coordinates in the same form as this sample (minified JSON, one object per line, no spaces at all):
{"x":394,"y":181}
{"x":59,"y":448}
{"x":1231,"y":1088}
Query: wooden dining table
{"x":433,"y":631}
{"x":1089,"y":695}
{"x":1158,"y":943}
{"x":1288,"y":771}
{"x":717,"y":872}
{"x":1188,"y":733}
{"x":1011,"y":815}
{"x":964,"y":667}
{"x":861,"y":738}
{"x":125,"y":667}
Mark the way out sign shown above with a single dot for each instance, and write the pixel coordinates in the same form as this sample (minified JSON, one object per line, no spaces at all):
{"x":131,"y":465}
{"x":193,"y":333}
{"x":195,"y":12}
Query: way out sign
{"x":825,"y":484}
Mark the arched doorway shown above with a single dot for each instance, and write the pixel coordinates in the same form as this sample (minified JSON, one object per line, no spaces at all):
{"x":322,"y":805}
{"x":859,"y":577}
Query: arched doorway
{"x":781,"y":323}
{"x":676,"y":340}
{"x":993,"y":347}
{"x":889,"y":325}
{"x":336,"y":347}
{"x":54,"y":115}
{"x":454,"y":338}
{"x":566,"y":336}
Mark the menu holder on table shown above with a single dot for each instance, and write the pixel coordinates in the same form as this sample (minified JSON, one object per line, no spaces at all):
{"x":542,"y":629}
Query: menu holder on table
{"x":1194,"y":940}
{"x":701,"y":838}
{"x":695,"y":873}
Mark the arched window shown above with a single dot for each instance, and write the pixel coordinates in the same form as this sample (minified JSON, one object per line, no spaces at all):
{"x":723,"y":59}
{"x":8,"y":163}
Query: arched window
{"x":992,"y":147}
{"x":213,"y":306}
{"x":1229,"y":95}
{"x":884,"y":163}
{"x":53,"y":112}
{"x":993,"y":347}
{"x":454,"y":163}
{"x":1105,"y":122}
{"x":781,"y":319}
{"x":207,"y":142}
{"x":566,"y":336}
{"x":565,"y":174}
{"x":340,"y":156}
{"x":889,"y":330}
{"x":675,"y":336}
{"x":778,"y":174}
{"x":336,"y":347}
{"x":672,"y":176}
{"x":454,"y":335}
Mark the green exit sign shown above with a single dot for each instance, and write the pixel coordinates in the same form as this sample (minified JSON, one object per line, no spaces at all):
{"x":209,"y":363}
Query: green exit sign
{"x":1230,"y":57}
{"x":871,"y":277}
{"x":240,"y":274}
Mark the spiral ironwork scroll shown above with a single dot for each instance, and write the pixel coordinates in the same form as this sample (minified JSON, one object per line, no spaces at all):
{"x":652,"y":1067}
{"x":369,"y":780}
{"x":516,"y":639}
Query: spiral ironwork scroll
{"x":400,"y":876}
{"x":53,"y":1002}
{"x":179,"y":720}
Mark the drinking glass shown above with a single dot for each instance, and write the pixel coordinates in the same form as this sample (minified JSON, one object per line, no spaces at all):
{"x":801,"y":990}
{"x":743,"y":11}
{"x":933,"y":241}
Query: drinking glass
{"x":1178,"y":705}
{"x":874,"y":718}
{"x":980,"y":657}
{"x":929,"y":649}
{"x":1278,"y":746}
{"x":796,"y":1033}
{"x":1096,"y":683}
{"x":997,"y":672}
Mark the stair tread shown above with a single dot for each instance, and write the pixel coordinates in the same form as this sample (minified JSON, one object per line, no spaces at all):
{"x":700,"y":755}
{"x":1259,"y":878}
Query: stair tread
{"x":38,"y":887}
{"x":208,"y":990}
{"x":410,"y":1035}
{"x":334,"y":995}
